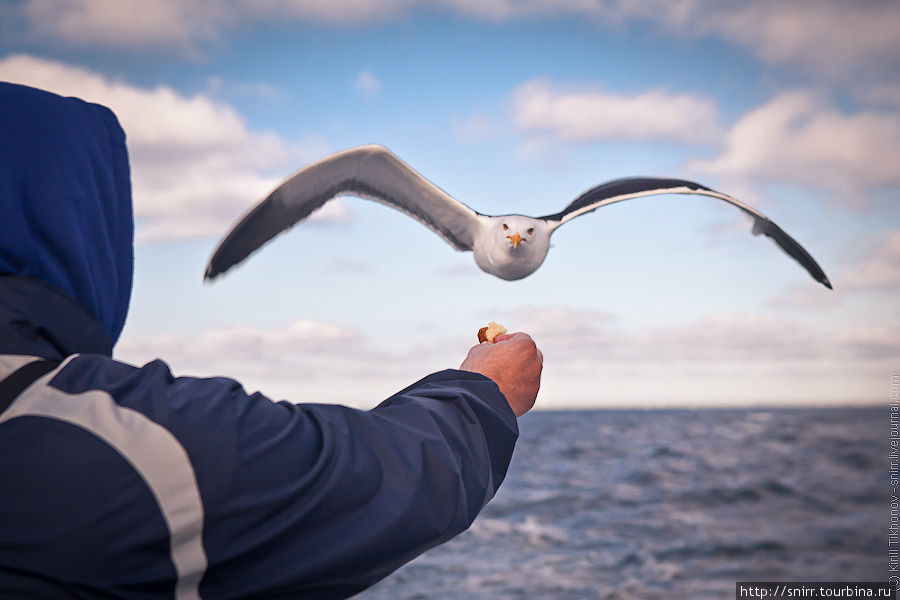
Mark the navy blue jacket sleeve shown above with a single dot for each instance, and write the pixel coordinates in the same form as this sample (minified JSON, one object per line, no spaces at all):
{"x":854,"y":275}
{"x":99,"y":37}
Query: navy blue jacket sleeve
{"x":324,"y":500}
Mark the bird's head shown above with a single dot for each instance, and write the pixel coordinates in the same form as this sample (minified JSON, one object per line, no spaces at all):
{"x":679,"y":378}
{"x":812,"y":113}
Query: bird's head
{"x":518,"y":232}
{"x":512,"y":246}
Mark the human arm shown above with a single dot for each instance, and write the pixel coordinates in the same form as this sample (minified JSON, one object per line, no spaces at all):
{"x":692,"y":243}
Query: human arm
{"x":324,"y":500}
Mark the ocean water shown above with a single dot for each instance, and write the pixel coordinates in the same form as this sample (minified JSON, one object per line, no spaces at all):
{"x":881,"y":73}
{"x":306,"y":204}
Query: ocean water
{"x":671,"y":504}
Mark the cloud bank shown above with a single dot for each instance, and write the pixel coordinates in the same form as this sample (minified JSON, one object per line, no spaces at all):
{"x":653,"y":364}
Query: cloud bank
{"x":798,"y":137}
{"x":586,"y":115}
{"x":196,"y":164}
{"x":589,"y":359}
{"x":826,"y":38}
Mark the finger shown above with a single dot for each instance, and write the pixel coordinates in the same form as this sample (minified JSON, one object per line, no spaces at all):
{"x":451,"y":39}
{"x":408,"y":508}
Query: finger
{"x":516,"y":335}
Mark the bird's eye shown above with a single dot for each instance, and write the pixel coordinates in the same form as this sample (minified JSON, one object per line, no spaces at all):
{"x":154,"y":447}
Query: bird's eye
{"x":505,"y":227}
{"x":530,"y":230}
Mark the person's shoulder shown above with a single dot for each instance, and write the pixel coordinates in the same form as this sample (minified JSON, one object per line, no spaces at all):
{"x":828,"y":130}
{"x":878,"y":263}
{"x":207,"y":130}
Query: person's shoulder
{"x":185,"y":405}
{"x":84,"y":372}
{"x":128,"y":384}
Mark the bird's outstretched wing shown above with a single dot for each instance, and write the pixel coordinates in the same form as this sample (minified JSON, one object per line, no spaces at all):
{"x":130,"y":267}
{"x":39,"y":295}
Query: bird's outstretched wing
{"x":637,"y":187}
{"x":371,"y":172}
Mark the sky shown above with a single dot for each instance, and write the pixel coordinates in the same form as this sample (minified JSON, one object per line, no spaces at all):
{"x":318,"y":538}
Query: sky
{"x":511,"y":107}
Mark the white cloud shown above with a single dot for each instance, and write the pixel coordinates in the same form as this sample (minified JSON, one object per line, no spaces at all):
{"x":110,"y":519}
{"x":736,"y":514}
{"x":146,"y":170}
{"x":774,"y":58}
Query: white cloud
{"x":584,"y":115}
{"x":878,"y":344}
{"x":797,"y":137}
{"x":805,"y":298}
{"x":883,"y":94}
{"x":196,"y":165}
{"x":726,"y":338}
{"x":721,"y":359}
{"x":127,"y":23}
{"x":261,"y":349}
{"x":877,"y":269}
{"x":306,"y":361}
{"x":573,"y":334}
{"x":832,"y":38}
{"x":180,"y":25}
{"x":562,"y":326}
{"x":367,"y":84}
{"x":588,"y":358}
{"x":334,"y":12}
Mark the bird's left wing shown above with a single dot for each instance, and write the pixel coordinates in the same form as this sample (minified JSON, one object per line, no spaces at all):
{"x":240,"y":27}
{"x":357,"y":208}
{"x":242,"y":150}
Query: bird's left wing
{"x":371,"y":172}
{"x":637,"y":187}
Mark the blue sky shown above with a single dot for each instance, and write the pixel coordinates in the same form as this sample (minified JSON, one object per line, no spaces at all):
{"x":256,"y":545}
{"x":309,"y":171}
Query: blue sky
{"x":510,"y":107}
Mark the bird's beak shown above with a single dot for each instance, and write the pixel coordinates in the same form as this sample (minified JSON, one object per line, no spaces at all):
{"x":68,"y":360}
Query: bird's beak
{"x":515,"y":239}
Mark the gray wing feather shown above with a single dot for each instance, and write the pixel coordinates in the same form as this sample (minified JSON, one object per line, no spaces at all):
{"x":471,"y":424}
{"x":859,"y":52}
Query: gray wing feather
{"x":370,"y":172}
{"x":637,"y":187}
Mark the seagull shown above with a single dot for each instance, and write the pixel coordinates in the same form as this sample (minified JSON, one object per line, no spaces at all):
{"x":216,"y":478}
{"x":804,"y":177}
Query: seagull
{"x":508,"y":246}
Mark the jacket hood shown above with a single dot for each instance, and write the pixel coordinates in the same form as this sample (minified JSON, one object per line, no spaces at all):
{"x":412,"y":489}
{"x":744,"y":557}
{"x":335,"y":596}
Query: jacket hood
{"x":65,"y":200}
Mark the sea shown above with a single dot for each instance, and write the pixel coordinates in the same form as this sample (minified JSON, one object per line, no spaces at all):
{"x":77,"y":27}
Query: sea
{"x":671,"y":504}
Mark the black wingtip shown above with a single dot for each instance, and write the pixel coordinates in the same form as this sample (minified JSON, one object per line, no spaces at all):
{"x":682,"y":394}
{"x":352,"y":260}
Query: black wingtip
{"x":209,"y":275}
{"x":793,"y":249}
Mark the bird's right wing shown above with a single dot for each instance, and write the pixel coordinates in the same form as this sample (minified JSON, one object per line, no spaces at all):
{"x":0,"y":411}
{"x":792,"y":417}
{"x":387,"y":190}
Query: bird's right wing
{"x":371,"y":172}
{"x":638,"y":187}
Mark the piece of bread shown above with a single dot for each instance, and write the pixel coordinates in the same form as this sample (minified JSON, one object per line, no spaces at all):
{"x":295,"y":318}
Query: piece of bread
{"x":487,"y":334}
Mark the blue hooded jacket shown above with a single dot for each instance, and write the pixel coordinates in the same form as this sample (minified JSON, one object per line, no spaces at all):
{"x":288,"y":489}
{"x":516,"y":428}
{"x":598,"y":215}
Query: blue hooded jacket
{"x":127,"y":482}
{"x":66,"y":200}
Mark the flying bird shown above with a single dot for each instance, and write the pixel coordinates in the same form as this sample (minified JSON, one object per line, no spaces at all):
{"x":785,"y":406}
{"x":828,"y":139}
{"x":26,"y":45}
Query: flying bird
{"x":507,"y":246}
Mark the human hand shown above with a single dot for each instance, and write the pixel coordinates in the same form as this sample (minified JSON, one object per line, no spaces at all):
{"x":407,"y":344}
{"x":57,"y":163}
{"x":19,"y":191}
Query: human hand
{"x":514,"y":363}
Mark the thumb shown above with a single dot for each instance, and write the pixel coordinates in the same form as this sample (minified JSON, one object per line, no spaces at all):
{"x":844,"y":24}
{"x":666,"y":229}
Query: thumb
{"x":503,"y":337}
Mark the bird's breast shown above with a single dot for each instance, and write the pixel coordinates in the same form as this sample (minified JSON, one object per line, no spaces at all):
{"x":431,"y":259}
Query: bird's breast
{"x":507,"y":262}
